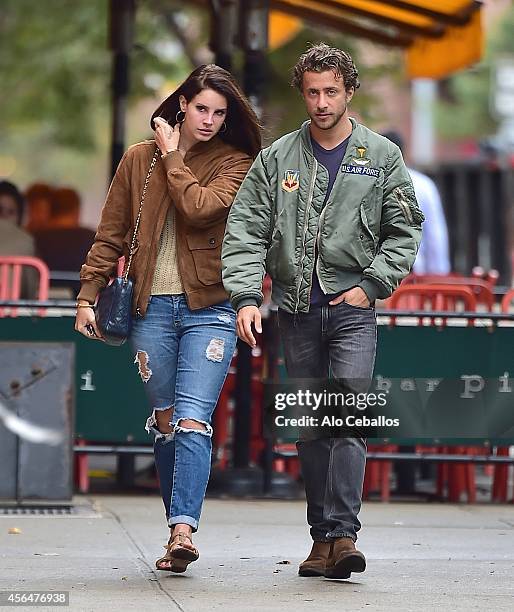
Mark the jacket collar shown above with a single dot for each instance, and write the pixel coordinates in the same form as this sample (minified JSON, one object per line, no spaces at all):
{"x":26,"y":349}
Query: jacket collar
{"x":358,"y":138}
{"x":202,"y":147}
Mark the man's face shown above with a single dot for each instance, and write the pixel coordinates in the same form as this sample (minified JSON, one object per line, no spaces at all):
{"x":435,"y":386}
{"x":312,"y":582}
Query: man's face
{"x":325,"y":97}
{"x":8,"y":209}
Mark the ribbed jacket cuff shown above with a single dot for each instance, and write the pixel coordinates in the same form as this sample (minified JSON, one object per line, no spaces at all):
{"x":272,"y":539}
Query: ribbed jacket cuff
{"x":246,"y":302}
{"x":371,"y":289}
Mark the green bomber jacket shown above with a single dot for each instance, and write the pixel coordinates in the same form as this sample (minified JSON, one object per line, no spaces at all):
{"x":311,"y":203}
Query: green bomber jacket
{"x":367,"y":234}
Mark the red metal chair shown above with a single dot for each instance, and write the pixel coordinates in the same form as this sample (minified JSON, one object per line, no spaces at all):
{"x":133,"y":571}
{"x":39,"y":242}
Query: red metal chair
{"x":490,"y":277}
{"x":81,"y":468}
{"x":11,"y":268}
{"x":223,"y":419}
{"x":433,"y":297}
{"x":481,"y":288}
{"x":378,"y":473}
{"x":459,"y":477}
{"x":508,"y":300}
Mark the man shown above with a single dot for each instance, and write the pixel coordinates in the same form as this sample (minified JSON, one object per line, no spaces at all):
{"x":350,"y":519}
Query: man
{"x":38,"y":198}
{"x":13,"y":239}
{"x":329,"y":211}
{"x":63,"y":244}
{"x":433,"y":257}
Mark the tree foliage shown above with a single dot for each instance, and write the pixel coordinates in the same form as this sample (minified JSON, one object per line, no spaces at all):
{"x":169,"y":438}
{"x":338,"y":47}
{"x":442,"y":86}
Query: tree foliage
{"x":55,"y":67}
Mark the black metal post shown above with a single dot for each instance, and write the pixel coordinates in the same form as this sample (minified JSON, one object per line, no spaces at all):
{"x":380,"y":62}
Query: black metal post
{"x":243,"y":403}
{"x":253,"y":29}
{"x":244,"y":479}
{"x":121,"y":26}
{"x":254,"y":40}
{"x":224,"y":30}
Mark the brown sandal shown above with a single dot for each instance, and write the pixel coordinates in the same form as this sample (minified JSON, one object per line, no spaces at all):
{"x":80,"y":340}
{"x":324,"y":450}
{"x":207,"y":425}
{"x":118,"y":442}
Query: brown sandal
{"x":179,"y":555}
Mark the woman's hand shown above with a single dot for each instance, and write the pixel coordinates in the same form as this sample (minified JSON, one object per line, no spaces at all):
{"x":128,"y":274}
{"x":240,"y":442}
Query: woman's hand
{"x":85,"y":323}
{"x":166,"y":137}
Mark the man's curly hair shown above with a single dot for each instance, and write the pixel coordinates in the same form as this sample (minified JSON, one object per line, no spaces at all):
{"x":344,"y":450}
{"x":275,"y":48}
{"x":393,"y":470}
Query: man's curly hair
{"x":321,"y":57}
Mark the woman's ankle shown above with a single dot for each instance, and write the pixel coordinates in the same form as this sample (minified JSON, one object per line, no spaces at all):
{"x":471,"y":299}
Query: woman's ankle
{"x":182,"y":528}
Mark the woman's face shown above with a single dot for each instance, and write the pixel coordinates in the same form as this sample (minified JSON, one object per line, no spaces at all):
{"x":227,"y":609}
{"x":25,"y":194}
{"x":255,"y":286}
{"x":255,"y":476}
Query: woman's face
{"x":205,"y":114}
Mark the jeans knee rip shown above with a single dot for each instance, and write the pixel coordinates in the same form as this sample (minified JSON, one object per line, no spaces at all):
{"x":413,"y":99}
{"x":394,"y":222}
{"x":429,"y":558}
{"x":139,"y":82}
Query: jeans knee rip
{"x":177,"y":428}
{"x":215,"y":350}
{"x":142,"y":361}
{"x":151,"y":427}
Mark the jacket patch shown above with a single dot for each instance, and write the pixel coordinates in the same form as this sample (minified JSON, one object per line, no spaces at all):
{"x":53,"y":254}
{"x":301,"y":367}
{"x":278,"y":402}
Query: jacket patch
{"x":360,"y":170}
{"x":291,"y":180}
{"x":360,"y":160}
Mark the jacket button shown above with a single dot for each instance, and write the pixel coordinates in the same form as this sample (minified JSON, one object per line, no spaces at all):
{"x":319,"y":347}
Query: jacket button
{"x":212,"y":241}
{"x":361,"y":236}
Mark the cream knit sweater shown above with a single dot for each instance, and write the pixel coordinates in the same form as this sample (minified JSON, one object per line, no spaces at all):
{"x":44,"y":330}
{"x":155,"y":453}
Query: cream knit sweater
{"x":167,"y":279}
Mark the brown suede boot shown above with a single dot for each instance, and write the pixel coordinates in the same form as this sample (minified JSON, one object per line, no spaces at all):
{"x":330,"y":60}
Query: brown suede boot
{"x":344,"y":559}
{"x":316,"y":562}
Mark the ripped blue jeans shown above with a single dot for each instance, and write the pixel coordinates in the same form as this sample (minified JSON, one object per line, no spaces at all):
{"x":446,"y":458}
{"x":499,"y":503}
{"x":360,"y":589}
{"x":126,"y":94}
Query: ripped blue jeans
{"x":183,"y":357}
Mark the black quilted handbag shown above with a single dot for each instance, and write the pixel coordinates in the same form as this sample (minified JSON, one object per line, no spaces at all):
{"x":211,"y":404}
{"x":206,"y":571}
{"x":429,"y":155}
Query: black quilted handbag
{"x":113,"y":310}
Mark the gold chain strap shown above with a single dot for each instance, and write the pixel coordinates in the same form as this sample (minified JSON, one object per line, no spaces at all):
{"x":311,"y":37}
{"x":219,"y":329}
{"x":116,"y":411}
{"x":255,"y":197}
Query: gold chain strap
{"x":138,"y":220}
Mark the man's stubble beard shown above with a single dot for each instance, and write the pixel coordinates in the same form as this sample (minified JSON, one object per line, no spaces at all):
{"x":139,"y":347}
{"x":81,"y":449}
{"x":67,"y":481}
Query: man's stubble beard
{"x":335,"y":121}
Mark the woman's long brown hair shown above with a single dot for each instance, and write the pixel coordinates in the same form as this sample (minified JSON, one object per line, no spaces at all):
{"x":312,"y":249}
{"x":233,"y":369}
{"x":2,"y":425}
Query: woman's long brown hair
{"x":243,"y":130}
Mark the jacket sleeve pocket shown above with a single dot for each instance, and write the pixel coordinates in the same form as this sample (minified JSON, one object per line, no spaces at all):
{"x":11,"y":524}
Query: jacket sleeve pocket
{"x":406,"y":199}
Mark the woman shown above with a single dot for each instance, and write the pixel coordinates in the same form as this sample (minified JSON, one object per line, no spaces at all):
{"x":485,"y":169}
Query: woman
{"x":184,"y":327}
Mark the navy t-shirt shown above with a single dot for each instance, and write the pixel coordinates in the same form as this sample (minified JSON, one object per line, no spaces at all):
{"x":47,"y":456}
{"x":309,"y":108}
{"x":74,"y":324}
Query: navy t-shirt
{"x":331,"y":159}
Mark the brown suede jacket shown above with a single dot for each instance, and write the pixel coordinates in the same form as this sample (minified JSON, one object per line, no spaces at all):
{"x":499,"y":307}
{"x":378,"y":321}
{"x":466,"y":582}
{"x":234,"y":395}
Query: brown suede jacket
{"x":202,"y":187}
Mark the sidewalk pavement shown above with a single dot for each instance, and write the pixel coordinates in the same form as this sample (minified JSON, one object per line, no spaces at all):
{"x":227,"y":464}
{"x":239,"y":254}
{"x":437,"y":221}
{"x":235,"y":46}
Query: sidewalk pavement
{"x":420,"y":557}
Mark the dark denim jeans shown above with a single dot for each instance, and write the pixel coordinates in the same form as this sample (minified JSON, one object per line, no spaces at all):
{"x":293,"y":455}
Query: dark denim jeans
{"x":332,"y":342}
